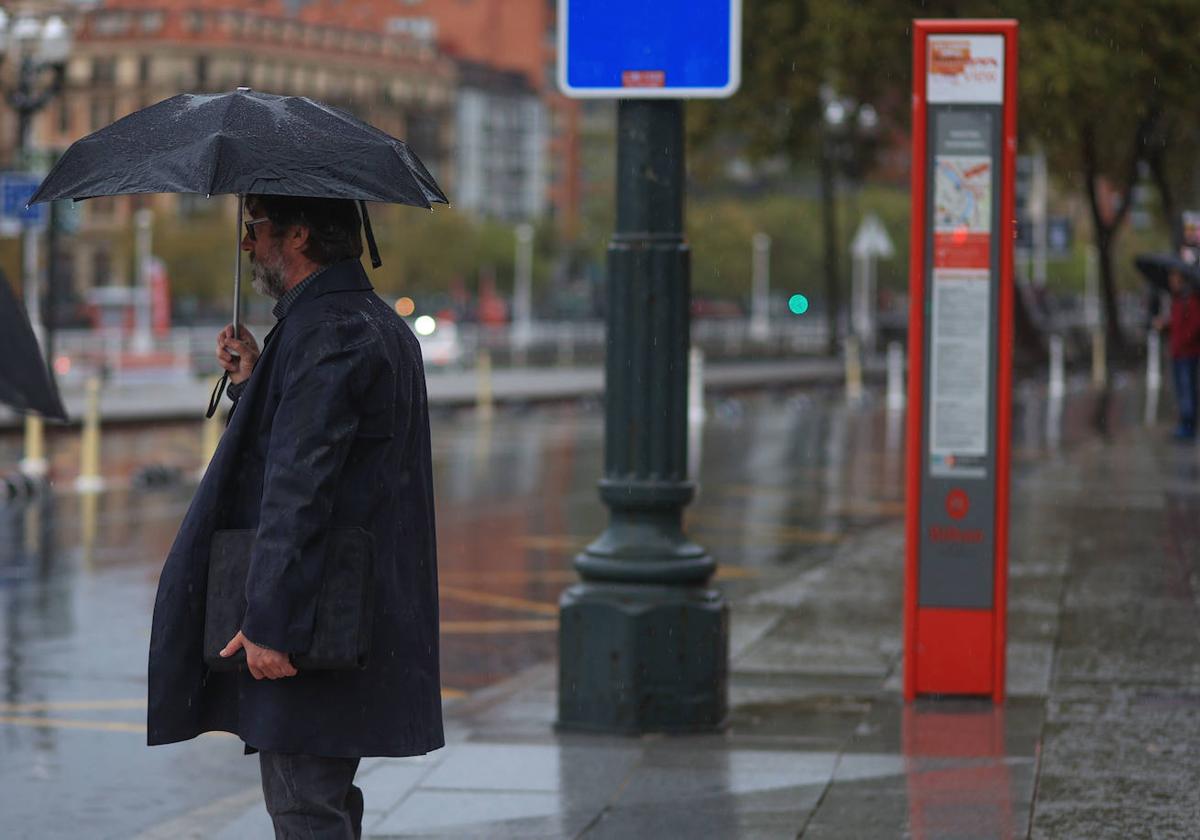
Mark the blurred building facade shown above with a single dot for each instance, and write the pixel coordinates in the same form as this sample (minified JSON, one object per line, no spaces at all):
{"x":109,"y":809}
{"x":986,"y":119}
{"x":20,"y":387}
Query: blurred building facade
{"x":516,"y":35}
{"x":500,"y":144}
{"x":469,"y":84}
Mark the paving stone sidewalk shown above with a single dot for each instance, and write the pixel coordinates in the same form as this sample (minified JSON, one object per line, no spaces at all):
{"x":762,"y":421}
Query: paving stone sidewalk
{"x":1097,"y":738}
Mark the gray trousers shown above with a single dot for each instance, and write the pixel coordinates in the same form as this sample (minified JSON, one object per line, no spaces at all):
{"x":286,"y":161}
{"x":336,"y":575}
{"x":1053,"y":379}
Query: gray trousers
{"x":310,"y":797}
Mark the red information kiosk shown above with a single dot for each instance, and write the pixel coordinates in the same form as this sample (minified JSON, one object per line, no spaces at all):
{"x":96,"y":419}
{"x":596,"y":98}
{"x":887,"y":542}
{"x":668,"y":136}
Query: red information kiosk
{"x":960,"y":356}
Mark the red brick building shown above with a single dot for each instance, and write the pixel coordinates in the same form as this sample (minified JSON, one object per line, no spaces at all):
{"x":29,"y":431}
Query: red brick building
{"x":131,"y":53}
{"x":515,"y":35}
{"x":394,"y":62}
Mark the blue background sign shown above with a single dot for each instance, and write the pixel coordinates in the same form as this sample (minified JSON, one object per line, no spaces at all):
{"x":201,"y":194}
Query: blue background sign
{"x":16,"y":188}
{"x":649,"y":48}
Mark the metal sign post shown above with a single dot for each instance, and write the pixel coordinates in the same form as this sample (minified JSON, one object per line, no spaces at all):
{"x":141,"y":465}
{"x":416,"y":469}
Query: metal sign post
{"x":643,"y":641}
{"x":960,"y":347}
{"x":871,"y":242}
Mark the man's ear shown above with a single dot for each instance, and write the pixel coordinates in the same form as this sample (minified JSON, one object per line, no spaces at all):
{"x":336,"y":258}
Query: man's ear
{"x":298,"y":238}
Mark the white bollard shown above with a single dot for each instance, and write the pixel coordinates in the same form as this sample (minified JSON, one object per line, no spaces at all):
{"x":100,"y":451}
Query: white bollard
{"x":1153,"y":376}
{"x":760,"y":314}
{"x":1153,"y":360}
{"x":1057,"y":381}
{"x":34,"y":463}
{"x":696,"y":413}
{"x":1099,"y":359}
{"x":854,"y":382}
{"x":90,"y":480}
{"x":484,"y":399}
{"x":895,"y":376}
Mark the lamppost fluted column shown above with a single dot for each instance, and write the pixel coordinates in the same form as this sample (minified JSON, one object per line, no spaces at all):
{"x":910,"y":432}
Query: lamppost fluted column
{"x":643,"y":643}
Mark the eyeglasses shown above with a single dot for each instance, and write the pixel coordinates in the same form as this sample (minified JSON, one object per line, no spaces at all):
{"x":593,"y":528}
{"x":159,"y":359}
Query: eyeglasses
{"x":250,"y":227}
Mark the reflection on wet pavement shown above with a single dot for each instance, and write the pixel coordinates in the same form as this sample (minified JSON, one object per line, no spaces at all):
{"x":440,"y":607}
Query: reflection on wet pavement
{"x":785,"y":479}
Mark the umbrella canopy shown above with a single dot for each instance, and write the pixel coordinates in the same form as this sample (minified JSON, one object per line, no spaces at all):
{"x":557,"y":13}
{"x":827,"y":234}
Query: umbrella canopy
{"x":240,"y":143}
{"x":25,"y":383}
{"x":1157,"y":268}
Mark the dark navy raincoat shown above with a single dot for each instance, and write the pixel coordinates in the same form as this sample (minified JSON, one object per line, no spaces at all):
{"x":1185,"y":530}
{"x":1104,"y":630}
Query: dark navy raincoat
{"x":331,"y":430}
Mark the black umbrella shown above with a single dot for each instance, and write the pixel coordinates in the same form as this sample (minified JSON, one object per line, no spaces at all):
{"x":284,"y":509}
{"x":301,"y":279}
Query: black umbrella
{"x":240,"y":143}
{"x":1157,"y":268}
{"x":25,"y":383}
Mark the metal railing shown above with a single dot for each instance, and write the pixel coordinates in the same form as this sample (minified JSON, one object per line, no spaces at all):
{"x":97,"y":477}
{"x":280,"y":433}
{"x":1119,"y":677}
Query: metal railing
{"x":188,"y":351}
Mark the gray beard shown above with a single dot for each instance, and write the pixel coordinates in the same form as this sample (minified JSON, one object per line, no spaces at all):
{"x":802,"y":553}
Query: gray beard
{"x":267,"y":278}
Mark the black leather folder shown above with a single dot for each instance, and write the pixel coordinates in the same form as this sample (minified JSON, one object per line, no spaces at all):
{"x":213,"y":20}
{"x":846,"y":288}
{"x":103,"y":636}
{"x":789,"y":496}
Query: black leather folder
{"x":342,"y":632}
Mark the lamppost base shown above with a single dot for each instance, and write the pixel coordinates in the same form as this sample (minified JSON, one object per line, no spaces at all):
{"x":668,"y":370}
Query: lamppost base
{"x":638,"y":658}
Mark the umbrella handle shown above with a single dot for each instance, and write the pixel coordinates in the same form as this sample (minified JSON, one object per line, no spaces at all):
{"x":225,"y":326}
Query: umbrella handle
{"x":237,"y":271}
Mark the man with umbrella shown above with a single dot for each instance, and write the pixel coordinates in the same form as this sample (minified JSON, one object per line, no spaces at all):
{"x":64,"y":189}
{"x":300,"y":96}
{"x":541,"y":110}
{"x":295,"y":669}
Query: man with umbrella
{"x":331,"y":428}
{"x":1183,"y":327}
{"x":329,"y":435}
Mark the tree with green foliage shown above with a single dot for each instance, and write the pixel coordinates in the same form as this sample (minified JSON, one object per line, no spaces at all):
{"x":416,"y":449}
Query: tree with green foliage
{"x":1102,"y":88}
{"x":424,"y":252}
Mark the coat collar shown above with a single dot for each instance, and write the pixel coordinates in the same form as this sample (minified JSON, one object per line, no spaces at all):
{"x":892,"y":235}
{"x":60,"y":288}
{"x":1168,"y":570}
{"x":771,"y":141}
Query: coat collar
{"x":345,"y":276}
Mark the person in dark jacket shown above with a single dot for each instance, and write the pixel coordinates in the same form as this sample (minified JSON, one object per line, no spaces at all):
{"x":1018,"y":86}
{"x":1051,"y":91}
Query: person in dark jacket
{"x":1183,"y":326}
{"x":330,"y":428}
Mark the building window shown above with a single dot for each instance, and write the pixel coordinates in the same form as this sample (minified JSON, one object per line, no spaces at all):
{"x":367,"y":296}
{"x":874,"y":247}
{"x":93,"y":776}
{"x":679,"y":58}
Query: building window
{"x":64,"y":115}
{"x":201,"y":72}
{"x":112,"y":23}
{"x":103,"y":207}
{"x":101,"y":263}
{"x":194,"y":21}
{"x":101,"y":113}
{"x":144,"y":70}
{"x":151,"y":22}
{"x":104,"y":70}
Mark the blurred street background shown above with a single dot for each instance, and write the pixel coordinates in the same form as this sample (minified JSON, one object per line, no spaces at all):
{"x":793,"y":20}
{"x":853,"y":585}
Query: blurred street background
{"x":797,"y":217}
{"x":798,"y":185}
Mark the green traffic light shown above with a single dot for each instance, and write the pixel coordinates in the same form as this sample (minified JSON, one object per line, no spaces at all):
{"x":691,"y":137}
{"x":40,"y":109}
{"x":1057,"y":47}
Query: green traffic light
{"x":798,"y":304}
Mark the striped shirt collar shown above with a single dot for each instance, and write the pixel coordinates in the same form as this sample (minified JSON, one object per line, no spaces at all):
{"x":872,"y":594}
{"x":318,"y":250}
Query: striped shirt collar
{"x":289,"y":298}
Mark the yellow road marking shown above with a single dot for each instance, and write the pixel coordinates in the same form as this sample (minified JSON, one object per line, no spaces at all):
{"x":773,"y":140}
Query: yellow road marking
{"x":532,"y":576}
{"x":462,"y":628}
{"x":754,"y":489}
{"x":735,"y":573}
{"x":551,"y":542}
{"x":869,"y":507}
{"x":880,"y":508}
{"x":66,"y":723}
{"x":471,"y":596}
{"x":765,"y":536}
{"x":109,"y":725}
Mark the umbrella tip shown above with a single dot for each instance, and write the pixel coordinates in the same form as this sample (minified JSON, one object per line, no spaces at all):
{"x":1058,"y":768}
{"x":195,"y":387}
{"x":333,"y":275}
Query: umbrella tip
{"x":243,"y":89}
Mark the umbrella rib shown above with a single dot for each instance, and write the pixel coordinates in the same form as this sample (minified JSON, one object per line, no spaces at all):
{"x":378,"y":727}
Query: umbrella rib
{"x":349,"y":119}
{"x":212,"y":181}
{"x":220,"y":144}
{"x":407,"y":170}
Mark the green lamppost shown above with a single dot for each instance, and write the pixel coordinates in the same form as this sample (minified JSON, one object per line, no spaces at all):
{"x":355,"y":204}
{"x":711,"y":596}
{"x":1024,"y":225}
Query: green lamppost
{"x":643,"y":641}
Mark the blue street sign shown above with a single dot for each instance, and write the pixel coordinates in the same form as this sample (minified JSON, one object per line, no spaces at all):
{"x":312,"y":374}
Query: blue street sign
{"x":634,"y":49}
{"x":16,"y":188}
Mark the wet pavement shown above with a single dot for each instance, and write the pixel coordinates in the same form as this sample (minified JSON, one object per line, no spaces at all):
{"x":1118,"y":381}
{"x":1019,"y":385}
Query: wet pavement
{"x":801,"y":501}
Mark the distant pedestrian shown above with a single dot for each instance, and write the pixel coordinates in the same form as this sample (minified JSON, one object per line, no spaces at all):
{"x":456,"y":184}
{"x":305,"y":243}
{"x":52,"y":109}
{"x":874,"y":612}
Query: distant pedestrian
{"x":1183,"y":327}
{"x":330,"y":428}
